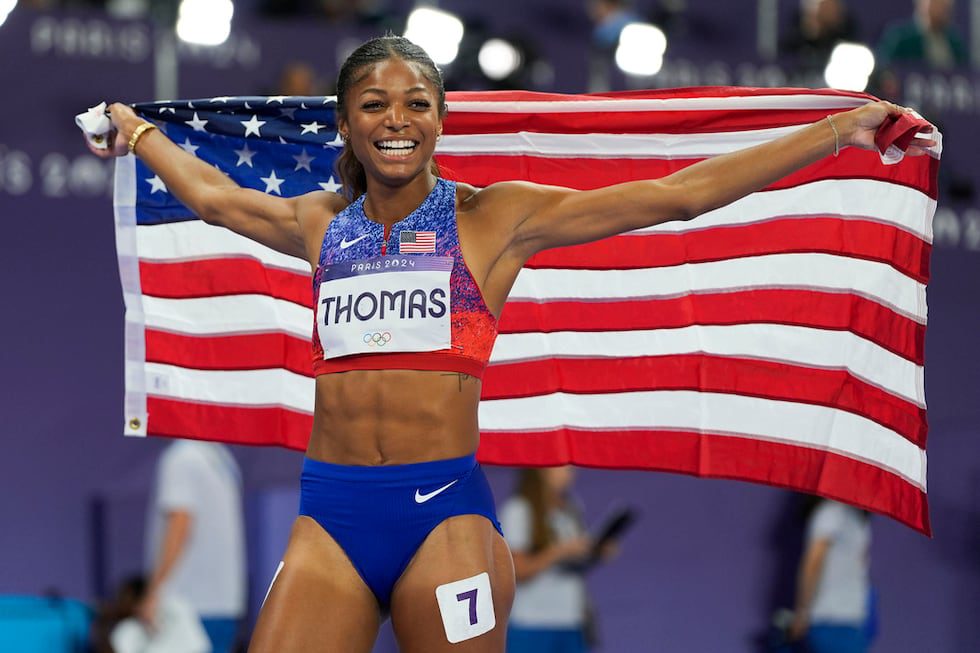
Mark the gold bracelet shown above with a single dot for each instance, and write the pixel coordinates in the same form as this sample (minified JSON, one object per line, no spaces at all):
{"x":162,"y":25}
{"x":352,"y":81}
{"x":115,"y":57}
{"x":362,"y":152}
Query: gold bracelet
{"x":836,"y":136}
{"x":142,"y":129}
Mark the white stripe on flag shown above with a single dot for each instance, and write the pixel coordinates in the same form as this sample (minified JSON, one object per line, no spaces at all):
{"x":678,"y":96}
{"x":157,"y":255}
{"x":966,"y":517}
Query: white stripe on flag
{"x":252,"y":388}
{"x":804,"y":271}
{"x":195,"y":239}
{"x":817,"y":348}
{"x":610,"y":146}
{"x":705,"y":412}
{"x":228,"y":315}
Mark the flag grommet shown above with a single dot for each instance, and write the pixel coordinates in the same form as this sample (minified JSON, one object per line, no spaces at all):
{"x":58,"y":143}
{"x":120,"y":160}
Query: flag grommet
{"x":135,"y":424}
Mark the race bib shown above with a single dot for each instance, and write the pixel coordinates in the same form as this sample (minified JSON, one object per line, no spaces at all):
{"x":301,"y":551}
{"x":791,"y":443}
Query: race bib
{"x":385,"y":304}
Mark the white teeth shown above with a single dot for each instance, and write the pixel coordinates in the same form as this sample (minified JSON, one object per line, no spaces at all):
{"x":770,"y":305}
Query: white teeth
{"x":396,"y":145}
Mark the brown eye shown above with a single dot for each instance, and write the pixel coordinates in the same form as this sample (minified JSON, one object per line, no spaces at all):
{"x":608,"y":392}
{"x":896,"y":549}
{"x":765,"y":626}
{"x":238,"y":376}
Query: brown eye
{"x":420,"y":104}
{"x":371,"y":106}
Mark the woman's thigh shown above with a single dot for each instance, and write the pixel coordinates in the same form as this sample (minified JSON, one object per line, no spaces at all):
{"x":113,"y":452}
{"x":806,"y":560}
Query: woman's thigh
{"x":456,"y":593}
{"x":318,"y":602}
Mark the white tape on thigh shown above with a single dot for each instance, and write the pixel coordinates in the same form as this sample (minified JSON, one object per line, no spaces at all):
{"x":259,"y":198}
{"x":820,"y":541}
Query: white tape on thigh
{"x":466,"y":607}
{"x":282,"y":564}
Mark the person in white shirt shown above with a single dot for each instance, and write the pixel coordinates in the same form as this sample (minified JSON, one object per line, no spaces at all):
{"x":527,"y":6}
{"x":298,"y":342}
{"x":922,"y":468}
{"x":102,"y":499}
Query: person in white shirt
{"x":196,"y":538}
{"x":834,"y":581}
{"x":544,"y":529}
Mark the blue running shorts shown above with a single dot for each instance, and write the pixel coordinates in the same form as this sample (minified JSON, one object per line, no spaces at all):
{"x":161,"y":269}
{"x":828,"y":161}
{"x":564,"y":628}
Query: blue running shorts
{"x":380,"y":515}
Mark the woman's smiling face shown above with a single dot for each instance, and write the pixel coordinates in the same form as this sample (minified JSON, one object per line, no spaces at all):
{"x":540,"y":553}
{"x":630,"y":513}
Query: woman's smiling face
{"x":393,"y":120}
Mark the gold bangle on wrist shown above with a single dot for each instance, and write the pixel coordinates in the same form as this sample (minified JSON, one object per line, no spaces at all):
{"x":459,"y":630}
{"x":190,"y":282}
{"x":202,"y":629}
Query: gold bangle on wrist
{"x":836,"y":136}
{"x":138,"y":133}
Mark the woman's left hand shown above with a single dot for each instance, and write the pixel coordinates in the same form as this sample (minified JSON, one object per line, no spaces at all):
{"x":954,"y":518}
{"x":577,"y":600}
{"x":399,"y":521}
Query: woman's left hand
{"x":859,"y":126}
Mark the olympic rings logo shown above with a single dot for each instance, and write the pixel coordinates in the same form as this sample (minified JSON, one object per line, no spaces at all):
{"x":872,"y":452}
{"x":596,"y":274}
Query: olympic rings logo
{"x":377,"y":339}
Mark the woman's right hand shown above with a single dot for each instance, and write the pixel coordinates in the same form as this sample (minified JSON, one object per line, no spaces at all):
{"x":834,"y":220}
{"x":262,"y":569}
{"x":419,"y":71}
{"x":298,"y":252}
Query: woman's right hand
{"x":124,"y":121}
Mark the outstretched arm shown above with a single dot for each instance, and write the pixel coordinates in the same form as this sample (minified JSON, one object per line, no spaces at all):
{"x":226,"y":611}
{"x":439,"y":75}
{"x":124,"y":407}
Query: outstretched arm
{"x":284,"y":224}
{"x":555,"y":217}
{"x":811,"y":567}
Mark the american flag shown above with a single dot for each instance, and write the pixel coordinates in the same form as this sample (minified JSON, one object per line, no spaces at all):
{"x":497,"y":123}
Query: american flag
{"x":416,"y":242}
{"x":777,"y":340}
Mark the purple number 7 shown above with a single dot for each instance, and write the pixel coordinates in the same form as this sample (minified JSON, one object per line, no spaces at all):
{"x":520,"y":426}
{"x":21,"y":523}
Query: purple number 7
{"x":471,"y":597}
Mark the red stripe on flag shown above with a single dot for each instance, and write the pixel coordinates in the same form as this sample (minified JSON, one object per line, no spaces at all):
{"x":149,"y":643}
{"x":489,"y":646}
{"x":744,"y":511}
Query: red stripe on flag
{"x":254,"y":351}
{"x":718,"y":456}
{"x":809,"y":308}
{"x":260,"y":425}
{"x":857,"y":238}
{"x":707,"y":373}
{"x":215,"y":277}
{"x":589,"y":173}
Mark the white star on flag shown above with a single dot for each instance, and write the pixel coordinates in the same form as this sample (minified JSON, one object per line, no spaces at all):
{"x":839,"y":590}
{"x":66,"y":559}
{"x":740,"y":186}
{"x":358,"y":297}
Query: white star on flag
{"x":252,"y":126}
{"x":244,"y":156}
{"x":156,"y":184}
{"x":272,"y":183}
{"x":303,"y":161}
{"x":275,"y":98}
{"x":313,"y":127}
{"x":189,"y":147}
{"x":197,"y":123}
{"x":166,"y":109}
{"x":330,"y":185}
{"x":223,"y":98}
{"x":337,"y":142}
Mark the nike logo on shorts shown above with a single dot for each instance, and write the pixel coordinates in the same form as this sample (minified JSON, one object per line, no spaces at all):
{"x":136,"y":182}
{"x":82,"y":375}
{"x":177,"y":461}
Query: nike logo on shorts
{"x":422,"y":498}
{"x":344,"y":243}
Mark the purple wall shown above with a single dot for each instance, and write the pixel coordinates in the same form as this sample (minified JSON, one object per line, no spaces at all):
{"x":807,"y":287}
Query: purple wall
{"x":703,"y":567}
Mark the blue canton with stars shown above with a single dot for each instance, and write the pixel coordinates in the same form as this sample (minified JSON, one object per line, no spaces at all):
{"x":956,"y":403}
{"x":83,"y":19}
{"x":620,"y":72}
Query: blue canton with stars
{"x":280,"y":145}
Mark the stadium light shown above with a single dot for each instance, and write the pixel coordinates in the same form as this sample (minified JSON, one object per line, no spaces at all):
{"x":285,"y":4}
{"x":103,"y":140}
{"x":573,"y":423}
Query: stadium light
{"x":499,"y":59}
{"x":204,"y":22}
{"x":6,"y":6}
{"x":435,"y":31}
{"x":641,"y":49}
{"x":850,"y":66}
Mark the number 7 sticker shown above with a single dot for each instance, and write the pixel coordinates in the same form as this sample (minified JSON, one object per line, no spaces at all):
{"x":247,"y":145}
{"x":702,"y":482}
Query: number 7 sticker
{"x":466,"y":607}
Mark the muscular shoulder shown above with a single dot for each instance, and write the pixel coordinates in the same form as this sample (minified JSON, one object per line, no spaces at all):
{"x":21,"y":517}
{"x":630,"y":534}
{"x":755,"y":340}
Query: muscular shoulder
{"x":503,"y":204}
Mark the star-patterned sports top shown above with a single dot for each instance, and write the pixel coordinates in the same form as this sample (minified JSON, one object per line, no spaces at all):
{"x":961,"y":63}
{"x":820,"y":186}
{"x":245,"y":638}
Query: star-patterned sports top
{"x":408,"y":302}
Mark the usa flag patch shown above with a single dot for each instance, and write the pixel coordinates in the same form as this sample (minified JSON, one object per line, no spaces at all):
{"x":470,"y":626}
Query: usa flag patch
{"x":416,"y":242}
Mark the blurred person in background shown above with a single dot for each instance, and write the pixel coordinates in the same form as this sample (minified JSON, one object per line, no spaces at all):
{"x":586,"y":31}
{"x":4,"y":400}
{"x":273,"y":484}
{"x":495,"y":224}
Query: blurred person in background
{"x":118,"y":629}
{"x":820,"y":25}
{"x":544,"y":528}
{"x":196,"y":539}
{"x":928,"y":37}
{"x":297,"y":78}
{"x":834,"y":609}
{"x":609,"y":17}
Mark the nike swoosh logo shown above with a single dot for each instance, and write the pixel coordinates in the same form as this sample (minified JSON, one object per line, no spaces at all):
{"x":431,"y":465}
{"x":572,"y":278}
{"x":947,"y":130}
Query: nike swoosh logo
{"x":344,"y":244}
{"x":422,"y":498}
